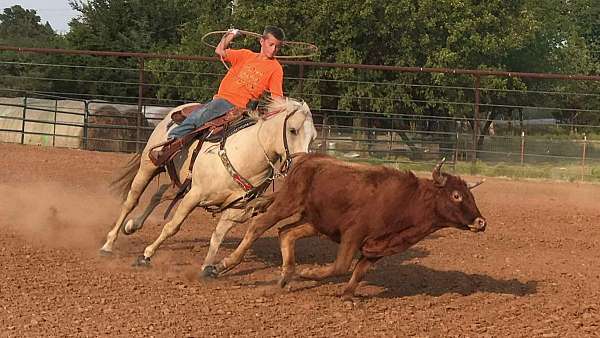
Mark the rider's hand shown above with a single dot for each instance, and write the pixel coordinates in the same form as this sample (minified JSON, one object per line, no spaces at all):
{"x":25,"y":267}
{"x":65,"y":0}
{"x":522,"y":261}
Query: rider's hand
{"x":235,"y":32}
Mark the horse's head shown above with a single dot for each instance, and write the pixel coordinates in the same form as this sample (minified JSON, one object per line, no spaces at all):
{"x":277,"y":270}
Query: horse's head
{"x":294,"y":124}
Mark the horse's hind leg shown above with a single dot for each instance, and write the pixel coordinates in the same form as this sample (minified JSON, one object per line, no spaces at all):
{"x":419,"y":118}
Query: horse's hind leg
{"x":227,"y":222}
{"x":188,"y":203}
{"x":288,"y":237}
{"x":133,"y":225}
{"x":144,"y":175}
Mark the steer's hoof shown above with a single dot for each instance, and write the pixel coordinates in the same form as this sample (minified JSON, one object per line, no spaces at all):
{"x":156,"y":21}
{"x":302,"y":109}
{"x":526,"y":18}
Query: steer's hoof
{"x":142,"y":261}
{"x":105,"y":253}
{"x":209,"y":271}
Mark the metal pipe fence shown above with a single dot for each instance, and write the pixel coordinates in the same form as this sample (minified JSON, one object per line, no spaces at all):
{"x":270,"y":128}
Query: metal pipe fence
{"x":523,"y":127}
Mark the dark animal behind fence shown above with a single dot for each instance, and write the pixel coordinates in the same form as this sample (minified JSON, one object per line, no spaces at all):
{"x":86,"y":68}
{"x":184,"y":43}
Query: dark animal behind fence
{"x":112,"y":130}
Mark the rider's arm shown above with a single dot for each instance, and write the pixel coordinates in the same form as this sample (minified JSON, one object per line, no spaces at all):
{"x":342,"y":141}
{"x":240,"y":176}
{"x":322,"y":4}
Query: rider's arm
{"x":221,"y":49}
{"x":276,"y":83}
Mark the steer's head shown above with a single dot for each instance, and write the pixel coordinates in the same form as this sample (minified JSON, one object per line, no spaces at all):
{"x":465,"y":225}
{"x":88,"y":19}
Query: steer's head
{"x":455,"y":204}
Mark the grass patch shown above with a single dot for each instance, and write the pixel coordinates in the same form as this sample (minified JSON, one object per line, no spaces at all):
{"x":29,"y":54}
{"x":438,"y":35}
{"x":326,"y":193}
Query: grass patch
{"x":552,"y":171}
{"x":558,"y":170}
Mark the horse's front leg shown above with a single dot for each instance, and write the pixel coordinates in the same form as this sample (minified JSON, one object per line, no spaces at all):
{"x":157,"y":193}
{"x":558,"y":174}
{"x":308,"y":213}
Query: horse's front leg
{"x":259,"y":225}
{"x":228,"y":220}
{"x":144,"y":175}
{"x":188,"y":203}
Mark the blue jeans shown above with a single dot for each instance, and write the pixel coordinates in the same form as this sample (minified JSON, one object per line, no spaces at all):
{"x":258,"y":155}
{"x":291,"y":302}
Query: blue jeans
{"x":209,"y":111}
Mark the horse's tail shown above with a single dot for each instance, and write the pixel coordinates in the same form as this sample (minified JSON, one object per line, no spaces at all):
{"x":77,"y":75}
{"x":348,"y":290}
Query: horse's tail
{"x":121,"y":185}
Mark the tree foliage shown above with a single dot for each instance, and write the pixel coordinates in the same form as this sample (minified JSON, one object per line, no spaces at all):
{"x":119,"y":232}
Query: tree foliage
{"x":130,"y":25}
{"x":21,"y":27}
{"x":517,"y":35}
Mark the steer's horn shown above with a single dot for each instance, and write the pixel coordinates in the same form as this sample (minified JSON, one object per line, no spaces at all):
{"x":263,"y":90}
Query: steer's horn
{"x":474,"y":185}
{"x":438,"y":178}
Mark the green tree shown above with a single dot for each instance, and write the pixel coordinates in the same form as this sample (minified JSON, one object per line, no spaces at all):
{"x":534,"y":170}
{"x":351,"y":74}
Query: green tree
{"x":22,"y":27}
{"x":130,"y":25}
{"x":449,"y":33}
{"x":515,"y":35}
{"x":567,"y":42}
{"x":194,"y":80}
{"x":125,"y":25}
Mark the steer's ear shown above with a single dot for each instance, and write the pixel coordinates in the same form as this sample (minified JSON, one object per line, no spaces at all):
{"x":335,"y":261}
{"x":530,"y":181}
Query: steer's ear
{"x":438,"y":178}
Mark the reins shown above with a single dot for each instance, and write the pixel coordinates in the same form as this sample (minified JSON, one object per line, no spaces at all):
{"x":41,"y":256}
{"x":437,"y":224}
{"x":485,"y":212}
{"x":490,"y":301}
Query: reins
{"x":287,"y":162}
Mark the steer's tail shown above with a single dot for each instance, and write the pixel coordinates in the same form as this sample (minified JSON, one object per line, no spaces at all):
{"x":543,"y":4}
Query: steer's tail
{"x":122,"y":184}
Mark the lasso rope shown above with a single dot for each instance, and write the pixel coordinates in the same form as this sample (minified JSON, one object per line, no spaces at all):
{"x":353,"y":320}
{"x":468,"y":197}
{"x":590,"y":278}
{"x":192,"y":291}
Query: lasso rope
{"x":307,"y":46}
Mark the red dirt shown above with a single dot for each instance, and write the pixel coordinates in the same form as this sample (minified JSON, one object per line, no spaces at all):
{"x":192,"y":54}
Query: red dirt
{"x":533,"y":273}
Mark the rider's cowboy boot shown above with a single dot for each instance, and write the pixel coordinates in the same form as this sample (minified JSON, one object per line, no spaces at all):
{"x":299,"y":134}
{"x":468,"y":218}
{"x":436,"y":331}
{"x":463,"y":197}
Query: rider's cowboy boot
{"x":161,"y":156}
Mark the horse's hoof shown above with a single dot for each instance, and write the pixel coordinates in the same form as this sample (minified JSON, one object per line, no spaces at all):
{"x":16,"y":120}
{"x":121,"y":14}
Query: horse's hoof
{"x":128,"y":225}
{"x":348,"y":296}
{"x":209,"y":271}
{"x":282,"y":282}
{"x":285,"y":279}
{"x":142,"y":261}
{"x":105,"y":253}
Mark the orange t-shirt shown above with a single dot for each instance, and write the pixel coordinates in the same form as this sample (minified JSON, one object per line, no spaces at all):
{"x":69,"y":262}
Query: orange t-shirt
{"x":249,"y":76}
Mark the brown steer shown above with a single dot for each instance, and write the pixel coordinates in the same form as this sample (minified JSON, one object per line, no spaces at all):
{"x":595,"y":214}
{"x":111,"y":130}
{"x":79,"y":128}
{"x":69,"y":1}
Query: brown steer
{"x":376,"y":210}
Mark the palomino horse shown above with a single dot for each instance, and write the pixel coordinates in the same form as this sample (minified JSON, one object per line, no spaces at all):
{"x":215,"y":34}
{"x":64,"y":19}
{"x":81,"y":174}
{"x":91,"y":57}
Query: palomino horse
{"x":286,"y":129}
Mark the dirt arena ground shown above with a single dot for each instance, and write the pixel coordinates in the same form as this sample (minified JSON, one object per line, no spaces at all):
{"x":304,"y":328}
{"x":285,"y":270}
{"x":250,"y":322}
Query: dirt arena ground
{"x":533,"y":273}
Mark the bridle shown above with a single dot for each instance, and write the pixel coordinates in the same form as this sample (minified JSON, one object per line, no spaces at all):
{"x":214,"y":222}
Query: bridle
{"x":287,"y":162}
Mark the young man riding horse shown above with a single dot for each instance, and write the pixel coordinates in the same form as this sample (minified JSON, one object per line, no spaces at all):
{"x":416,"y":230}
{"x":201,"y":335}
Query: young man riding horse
{"x":250,"y":75}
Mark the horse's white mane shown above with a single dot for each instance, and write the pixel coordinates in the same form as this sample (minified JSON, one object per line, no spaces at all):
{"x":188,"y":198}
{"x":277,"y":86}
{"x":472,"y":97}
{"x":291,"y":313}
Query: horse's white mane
{"x":285,"y":104}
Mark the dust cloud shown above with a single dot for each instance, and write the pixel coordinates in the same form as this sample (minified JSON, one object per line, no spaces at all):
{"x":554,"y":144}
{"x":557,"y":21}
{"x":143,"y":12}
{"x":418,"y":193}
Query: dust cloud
{"x":55,"y":215}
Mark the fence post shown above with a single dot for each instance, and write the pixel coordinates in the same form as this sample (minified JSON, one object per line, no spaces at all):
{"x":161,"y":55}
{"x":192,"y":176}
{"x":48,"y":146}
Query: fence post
{"x":86,"y":117}
{"x":54,"y":129}
{"x":139,"y":114}
{"x":476,"y":120}
{"x":324,"y":133}
{"x":583,"y":156}
{"x":456,"y":150}
{"x":522,"y":147}
{"x":301,"y":76}
{"x":23,"y":119}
